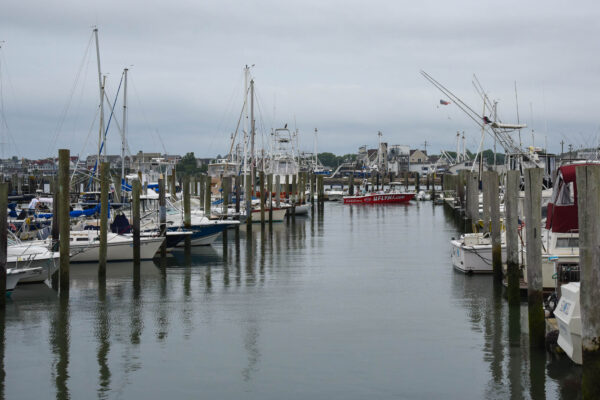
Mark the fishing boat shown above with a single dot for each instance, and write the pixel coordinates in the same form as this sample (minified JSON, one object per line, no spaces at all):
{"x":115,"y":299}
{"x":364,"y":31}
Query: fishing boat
{"x":379,"y":198}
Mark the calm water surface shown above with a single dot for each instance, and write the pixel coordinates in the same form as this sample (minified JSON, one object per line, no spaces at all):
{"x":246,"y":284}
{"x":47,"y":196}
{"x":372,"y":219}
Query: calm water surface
{"x":358,"y":302}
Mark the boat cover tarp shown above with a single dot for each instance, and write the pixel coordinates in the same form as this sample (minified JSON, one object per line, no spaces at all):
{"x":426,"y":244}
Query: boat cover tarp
{"x":78,"y":213}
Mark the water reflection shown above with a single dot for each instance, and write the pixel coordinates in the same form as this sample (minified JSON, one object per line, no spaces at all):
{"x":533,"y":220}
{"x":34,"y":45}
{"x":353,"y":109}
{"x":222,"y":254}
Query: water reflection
{"x":102,"y":332}
{"x":59,"y":343}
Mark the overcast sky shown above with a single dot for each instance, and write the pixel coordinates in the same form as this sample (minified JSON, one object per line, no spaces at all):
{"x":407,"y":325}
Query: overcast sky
{"x":348,"y":68}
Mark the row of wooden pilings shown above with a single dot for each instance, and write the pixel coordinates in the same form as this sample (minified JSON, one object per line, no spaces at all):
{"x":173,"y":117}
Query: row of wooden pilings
{"x":200,"y":187}
{"x":466,"y":188}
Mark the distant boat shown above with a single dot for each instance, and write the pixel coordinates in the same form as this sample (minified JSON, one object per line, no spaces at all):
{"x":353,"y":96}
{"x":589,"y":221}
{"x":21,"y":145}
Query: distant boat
{"x":379,"y":198}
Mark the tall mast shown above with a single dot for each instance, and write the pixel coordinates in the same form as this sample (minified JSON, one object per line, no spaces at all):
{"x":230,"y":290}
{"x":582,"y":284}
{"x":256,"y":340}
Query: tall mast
{"x":246,"y":72}
{"x":316,"y":154}
{"x":457,"y":147}
{"x":464,"y":153}
{"x":101,"y":88}
{"x":124,"y":131}
{"x":252,"y":157}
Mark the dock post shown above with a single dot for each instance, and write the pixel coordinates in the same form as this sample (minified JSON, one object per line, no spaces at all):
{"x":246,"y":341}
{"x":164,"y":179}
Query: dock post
{"x":135,"y":209}
{"x":588,"y":204}
{"x":226,"y":188}
{"x":237,"y":195}
{"x":312,"y":189}
{"x":207,"y":193}
{"x":63,"y":218}
{"x":512,"y":237}
{"x":248,"y":196}
{"x":3,"y":244}
{"x":460,"y":188}
{"x":277,"y":190}
{"x":294,"y":195}
{"x":433,"y":187}
{"x":472,"y":199}
{"x":201,"y":190}
{"x":494,"y":197}
{"x":104,"y":172}
{"x":287,"y":188}
{"x":351,"y":184}
{"x":55,"y":225}
{"x":417,"y":182}
{"x":173,"y":185}
{"x":162,"y":217}
{"x":321,"y":189}
{"x":187,"y":209}
{"x":270,"y":197}
{"x":533,"y":214}
{"x":261,"y":176}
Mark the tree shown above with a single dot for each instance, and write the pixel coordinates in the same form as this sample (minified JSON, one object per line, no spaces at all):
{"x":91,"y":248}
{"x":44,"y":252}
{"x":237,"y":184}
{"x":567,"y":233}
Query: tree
{"x":187,"y":165}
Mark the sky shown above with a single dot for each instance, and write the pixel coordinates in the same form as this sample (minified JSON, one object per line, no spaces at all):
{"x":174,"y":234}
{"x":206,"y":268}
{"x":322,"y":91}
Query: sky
{"x":348,"y":68}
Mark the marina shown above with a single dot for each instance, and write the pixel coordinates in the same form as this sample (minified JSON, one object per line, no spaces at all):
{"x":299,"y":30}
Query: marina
{"x":336,"y":200}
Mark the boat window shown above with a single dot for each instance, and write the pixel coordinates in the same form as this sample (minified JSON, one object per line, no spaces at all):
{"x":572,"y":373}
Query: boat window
{"x":567,"y":242}
{"x":82,"y":239}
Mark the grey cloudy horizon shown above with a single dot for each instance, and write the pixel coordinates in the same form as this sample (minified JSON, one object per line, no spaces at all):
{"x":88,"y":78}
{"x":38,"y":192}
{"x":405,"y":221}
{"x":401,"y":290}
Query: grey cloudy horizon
{"x":348,"y":68}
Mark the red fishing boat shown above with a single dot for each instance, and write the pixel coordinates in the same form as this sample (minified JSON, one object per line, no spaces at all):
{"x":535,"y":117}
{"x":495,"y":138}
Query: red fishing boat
{"x":379,"y":198}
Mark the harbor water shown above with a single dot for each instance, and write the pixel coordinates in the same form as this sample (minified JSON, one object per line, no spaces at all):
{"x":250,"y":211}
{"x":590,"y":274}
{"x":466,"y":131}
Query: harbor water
{"x":356,"y":302}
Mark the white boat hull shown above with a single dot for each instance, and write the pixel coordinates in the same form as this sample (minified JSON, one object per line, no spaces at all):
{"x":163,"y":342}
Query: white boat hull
{"x":475,"y":259}
{"x":118,"y":251}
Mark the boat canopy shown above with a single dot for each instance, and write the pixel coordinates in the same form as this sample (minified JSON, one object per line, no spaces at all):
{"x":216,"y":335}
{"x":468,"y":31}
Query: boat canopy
{"x":562,"y":213}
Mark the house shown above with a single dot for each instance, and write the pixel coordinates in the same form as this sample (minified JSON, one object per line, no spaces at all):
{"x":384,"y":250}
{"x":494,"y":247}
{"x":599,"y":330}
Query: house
{"x":418,"y":156}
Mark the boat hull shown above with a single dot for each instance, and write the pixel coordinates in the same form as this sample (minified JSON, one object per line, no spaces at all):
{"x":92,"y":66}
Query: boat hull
{"x":475,"y":259}
{"x":119,"y":251}
{"x":376,"y":198}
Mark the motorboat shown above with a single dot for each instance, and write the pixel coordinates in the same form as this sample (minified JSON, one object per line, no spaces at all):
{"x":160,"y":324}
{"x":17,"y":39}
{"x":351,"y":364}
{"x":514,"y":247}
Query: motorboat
{"x":472,"y":253}
{"x":38,"y":260}
{"x":85,"y":246}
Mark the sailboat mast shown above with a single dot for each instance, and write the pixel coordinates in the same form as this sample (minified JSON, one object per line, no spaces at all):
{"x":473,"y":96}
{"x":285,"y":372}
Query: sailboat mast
{"x":252,"y":125}
{"x":246,"y":72}
{"x":316,"y":153}
{"x":101,"y":88}
{"x":124,"y":131}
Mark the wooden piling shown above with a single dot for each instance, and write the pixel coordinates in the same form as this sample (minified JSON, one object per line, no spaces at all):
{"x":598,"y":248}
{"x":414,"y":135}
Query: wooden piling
{"x":248,"y":197}
{"x":63,"y":218}
{"x":588,"y":204}
{"x":472,"y":199}
{"x":187,"y":208}
{"x":237,"y":194}
{"x":494,"y":197}
{"x":351,"y":185}
{"x":135,"y":210}
{"x":207,"y":193}
{"x":162,"y":216}
{"x":104,"y":172}
{"x":277,"y":191}
{"x":270,"y":196}
{"x":201,"y":185}
{"x":512,"y":237}
{"x":287,"y":188}
{"x":173,"y":185}
{"x":533,"y":213}
{"x":312,"y":188}
{"x":417,"y":182}
{"x":261,"y":176}
{"x":226,"y":188}
{"x":3,"y":244}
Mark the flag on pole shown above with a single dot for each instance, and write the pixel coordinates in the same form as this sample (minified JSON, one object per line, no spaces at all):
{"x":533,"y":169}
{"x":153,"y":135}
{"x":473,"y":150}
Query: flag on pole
{"x":444,"y":102}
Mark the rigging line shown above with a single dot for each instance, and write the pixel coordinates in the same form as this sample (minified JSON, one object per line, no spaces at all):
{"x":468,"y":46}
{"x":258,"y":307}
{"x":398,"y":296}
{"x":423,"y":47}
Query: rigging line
{"x":86,"y":139}
{"x":137,"y":96}
{"x":65,"y":110}
{"x":238,"y":124}
{"x":228,"y":109}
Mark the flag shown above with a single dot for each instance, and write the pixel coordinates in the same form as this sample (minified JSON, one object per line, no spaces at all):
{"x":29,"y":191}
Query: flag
{"x":444,"y":102}
{"x":486,"y":120}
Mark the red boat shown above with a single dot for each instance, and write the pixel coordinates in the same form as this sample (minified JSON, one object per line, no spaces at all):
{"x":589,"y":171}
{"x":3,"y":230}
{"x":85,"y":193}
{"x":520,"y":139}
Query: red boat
{"x":379,"y":198}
